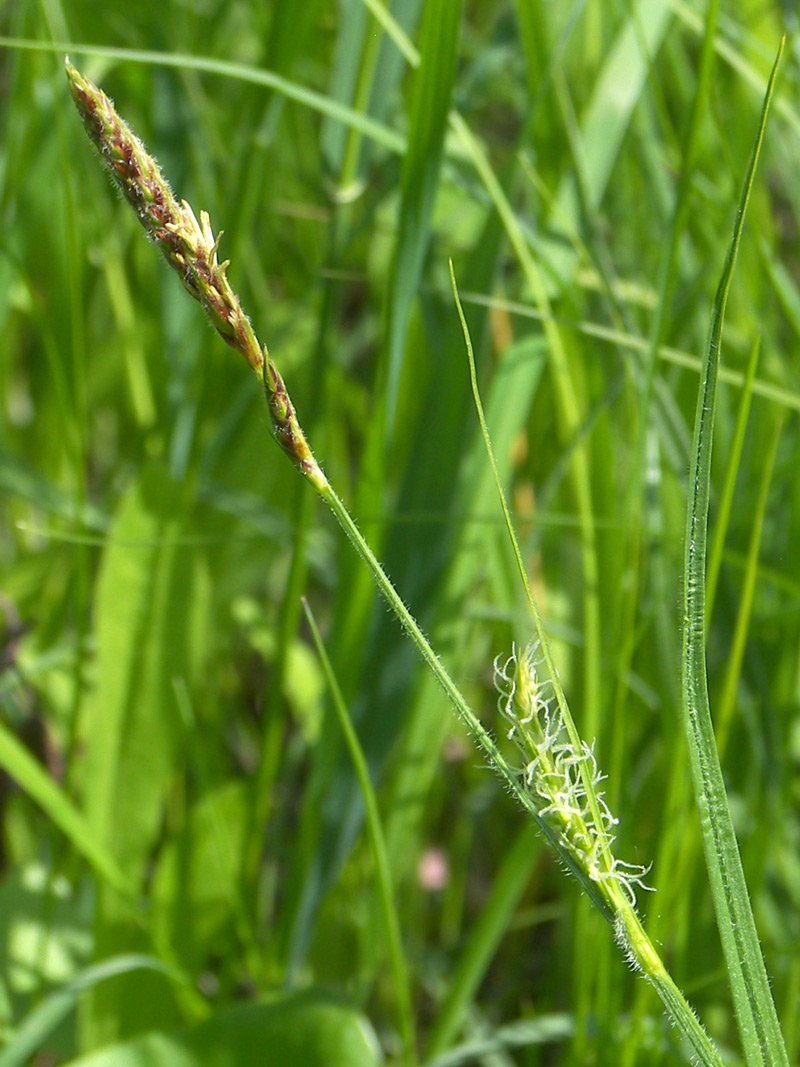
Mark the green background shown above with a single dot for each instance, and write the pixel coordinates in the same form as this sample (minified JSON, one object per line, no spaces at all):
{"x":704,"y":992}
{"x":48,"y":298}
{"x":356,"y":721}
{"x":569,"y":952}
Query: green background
{"x":155,"y":542}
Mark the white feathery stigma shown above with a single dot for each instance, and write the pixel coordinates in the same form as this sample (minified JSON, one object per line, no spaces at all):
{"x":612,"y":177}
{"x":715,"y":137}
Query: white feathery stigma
{"x":557,"y":774}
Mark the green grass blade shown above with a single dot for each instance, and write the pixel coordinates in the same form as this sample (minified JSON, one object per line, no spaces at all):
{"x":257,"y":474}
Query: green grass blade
{"x":544,"y":1030}
{"x":379,"y":133}
{"x":571,"y":417}
{"x":639,"y":346}
{"x":726,"y":497}
{"x":479,"y":732}
{"x":510,"y":394}
{"x":737,"y":60}
{"x":616,"y":93}
{"x":17,"y":762}
{"x":351,"y":83}
{"x":538,"y":621}
{"x":507,"y":889}
{"x":755,"y":1010}
{"x":606,"y":120}
{"x":36,"y":1027}
{"x":270,"y":758}
{"x":430,"y":106}
{"x":668,"y":275}
{"x":378,"y":844}
{"x":727,"y":697}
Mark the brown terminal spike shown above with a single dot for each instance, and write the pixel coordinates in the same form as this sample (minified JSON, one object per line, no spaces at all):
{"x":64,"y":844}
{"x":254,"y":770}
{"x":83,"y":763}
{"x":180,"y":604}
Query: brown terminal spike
{"x":190,"y":248}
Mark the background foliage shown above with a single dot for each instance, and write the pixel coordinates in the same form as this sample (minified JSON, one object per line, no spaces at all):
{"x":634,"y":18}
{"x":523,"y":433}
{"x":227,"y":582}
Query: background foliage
{"x":199,"y":824}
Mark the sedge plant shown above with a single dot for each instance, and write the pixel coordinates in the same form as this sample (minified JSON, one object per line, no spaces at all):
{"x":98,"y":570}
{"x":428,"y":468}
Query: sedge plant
{"x":556,"y":778}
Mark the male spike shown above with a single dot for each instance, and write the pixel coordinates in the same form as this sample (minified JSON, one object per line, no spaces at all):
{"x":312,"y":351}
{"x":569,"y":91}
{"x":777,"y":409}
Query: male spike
{"x":190,"y":248}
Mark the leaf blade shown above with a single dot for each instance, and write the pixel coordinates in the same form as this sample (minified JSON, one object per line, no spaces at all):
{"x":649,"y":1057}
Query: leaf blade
{"x":756,"y":1016}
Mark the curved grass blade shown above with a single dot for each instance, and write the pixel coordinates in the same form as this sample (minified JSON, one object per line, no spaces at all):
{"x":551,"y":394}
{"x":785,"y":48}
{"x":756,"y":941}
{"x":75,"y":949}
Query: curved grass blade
{"x":725,"y":505}
{"x":377,"y":131}
{"x":378,"y":844}
{"x":35,"y":1028}
{"x":495,"y":920}
{"x":756,"y":1016}
{"x":639,"y":346}
{"x":34,"y":780}
{"x":727,"y":699}
{"x":544,"y":1030}
{"x":430,"y":107}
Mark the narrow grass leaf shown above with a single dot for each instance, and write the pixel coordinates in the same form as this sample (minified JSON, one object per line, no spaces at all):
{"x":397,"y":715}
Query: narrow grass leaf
{"x":377,"y":76}
{"x":350,"y":84}
{"x":545,"y":1030}
{"x":541,"y":635}
{"x":430,"y":106}
{"x":570,"y":417}
{"x":727,"y":697}
{"x":723,"y":515}
{"x":476,"y":955}
{"x":736,"y":58}
{"x":606,"y":119}
{"x":510,"y":395}
{"x":397,"y":960}
{"x":32,"y":778}
{"x":756,"y":1016}
{"x":17,"y":479}
{"x":379,"y":133}
{"x":196,"y":889}
{"x":34,"y":1030}
{"x":304,"y":1030}
{"x":418,"y":556}
{"x":652,"y":382}
{"x":544,"y":56}
{"x":786,"y":397}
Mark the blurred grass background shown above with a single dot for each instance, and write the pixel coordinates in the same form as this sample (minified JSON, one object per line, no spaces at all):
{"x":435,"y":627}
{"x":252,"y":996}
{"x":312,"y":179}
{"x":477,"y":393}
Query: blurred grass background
{"x":155,"y":543}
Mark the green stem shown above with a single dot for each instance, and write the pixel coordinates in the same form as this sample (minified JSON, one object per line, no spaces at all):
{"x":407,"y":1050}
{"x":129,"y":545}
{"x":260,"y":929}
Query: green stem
{"x":633,"y":938}
{"x":465,"y":712}
{"x":630,"y":933}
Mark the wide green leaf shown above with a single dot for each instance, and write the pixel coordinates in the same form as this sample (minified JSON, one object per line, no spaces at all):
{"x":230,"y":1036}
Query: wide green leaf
{"x":151,"y":626}
{"x":145,"y":641}
{"x":430,"y":106}
{"x":302,"y":1031}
